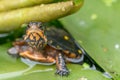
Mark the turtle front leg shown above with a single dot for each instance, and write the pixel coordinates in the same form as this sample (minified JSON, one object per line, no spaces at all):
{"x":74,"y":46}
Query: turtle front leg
{"x":18,"y":46}
{"x":13,"y":52}
{"x":61,"y":66}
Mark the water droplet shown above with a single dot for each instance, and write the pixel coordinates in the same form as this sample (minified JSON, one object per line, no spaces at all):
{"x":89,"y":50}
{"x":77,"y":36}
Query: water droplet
{"x":117,"y":46}
{"x":94,"y":16}
{"x":1,"y":6}
{"x":82,"y":23}
{"x":42,"y":5}
{"x":83,"y":78}
{"x":21,"y":1}
{"x":80,"y":41}
{"x":63,"y":9}
{"x":109,"y":2}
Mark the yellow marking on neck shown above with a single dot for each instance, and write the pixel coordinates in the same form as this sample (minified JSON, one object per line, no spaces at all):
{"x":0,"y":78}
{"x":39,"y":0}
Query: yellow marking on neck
{"x":66,"y":37}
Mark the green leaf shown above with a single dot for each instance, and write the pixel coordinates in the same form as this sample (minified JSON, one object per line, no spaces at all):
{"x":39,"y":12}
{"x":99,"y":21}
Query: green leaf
{"x":43,"y":13}
{"x":15,"y":4}
{"x":15,"y":69}
{"x":96,"y":28}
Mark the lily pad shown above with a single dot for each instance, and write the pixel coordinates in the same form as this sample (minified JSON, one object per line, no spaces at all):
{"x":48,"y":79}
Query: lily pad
{"x":96,"y":28}
{"x":15,"y":69}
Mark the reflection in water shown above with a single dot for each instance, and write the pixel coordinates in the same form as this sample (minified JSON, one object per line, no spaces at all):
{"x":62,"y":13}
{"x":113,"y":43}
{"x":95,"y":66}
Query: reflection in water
{"x":106,"y":74}
{"x":13,"y":74}
{"x":33,"y":63}
{"x":4,"y":35}
{"x":19,"y":73}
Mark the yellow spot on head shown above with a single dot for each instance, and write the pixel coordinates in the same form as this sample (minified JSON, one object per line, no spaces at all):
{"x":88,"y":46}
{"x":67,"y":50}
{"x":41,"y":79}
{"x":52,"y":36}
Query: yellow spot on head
{"x":79,"y":51}
{"x":66,"y":37}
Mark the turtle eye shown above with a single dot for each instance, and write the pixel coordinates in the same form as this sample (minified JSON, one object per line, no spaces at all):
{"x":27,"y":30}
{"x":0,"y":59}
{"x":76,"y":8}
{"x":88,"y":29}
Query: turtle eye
{"x":42,"y":27}
{"x":28,"y":26}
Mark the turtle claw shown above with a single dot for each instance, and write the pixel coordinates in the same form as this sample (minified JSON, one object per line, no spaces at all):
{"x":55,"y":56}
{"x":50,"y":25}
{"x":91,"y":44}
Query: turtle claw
{"x":62,"y":72}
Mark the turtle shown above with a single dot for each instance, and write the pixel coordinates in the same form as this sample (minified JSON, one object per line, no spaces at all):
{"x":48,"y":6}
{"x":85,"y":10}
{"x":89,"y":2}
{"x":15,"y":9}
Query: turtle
{"x":48,"y":45}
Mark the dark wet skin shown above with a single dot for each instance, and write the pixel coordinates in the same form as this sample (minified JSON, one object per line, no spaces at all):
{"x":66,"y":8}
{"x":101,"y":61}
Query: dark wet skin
{"x":39,"y":47}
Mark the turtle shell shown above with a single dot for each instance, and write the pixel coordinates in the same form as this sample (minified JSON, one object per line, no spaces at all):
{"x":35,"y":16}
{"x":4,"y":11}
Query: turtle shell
{"x":62,"y":40}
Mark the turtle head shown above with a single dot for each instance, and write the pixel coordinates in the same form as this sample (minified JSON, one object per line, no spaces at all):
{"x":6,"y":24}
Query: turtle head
{"x":35,"y":35}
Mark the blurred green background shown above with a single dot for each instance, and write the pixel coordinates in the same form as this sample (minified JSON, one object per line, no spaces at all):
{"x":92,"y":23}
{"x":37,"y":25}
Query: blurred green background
{"x":96,"y":27}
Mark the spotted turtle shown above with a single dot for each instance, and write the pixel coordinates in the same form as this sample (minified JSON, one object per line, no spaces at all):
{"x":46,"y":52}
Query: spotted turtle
{"x":48,"y":45}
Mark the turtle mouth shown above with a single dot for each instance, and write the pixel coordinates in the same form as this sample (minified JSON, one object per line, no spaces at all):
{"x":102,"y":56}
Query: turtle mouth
{"x":34,"y":44}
